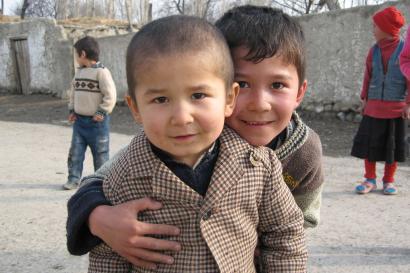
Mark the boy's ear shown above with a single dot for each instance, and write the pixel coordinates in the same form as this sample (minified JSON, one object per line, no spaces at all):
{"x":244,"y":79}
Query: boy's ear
{"x":301,"y":93}
{"x":231,"y":99}
{"x":132,"y":105}
{"x":83,"y":54}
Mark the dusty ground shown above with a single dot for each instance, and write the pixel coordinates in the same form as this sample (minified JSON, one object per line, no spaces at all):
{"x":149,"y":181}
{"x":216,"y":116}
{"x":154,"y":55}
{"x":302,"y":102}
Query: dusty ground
{"x":357,"y":233}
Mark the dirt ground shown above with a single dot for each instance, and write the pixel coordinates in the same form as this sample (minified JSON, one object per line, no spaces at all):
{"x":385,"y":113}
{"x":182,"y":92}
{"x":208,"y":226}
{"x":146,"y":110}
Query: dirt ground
{"x":357,"y":233}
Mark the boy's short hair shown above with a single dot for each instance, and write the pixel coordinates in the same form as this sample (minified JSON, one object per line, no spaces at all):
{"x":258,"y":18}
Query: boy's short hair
{"x":90,"y":46}
{"x":266,"y":32}
{"x":177,"y":34}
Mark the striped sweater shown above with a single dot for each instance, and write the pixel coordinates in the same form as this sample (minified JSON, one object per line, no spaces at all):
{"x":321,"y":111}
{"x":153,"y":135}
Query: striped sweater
{"x":301,"y":158}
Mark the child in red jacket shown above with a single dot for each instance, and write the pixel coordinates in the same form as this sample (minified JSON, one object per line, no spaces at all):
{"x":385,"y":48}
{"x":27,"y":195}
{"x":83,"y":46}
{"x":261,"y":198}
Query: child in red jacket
{"x":385,"y":104}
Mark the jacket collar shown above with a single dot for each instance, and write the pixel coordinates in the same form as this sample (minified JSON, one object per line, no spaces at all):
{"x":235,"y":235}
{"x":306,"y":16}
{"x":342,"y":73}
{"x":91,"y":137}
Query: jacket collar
{"x":165,"y":185}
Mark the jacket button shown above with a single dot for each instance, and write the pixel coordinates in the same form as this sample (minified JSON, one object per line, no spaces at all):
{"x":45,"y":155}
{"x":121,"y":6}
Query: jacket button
{"x":207,"y":215}
{"x":255,"y":160}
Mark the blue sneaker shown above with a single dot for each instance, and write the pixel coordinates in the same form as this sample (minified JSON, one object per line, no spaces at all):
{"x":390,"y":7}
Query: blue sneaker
{"x":367,"y":186}
{"x":389,"y":189}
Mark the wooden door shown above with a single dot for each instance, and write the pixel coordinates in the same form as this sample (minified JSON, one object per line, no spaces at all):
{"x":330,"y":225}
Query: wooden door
{"x":22,"y":65}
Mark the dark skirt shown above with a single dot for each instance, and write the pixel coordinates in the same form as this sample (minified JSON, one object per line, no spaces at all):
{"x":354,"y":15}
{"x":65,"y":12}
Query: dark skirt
{"x":380,"y":140}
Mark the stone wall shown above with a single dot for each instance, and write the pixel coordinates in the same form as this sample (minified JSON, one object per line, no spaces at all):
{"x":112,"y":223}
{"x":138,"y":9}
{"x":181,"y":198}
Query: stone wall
{"x":112,"y":55}
{"x":51,"y":62}
{"x":49,"y":52}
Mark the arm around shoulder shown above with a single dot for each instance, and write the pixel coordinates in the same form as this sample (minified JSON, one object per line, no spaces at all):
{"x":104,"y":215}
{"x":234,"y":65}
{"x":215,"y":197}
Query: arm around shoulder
{"x":80,"y":240}
{"x":89,"y":196}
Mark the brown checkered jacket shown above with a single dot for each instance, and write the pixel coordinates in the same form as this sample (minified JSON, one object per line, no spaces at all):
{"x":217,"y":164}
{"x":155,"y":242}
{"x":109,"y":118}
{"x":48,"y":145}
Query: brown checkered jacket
{"x":246,"y":197}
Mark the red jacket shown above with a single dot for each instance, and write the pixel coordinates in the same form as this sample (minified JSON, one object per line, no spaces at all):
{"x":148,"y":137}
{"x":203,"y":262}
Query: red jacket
{"x":380,"y":108}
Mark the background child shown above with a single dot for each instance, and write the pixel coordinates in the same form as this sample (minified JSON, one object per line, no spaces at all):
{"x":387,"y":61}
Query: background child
{"x":92,"y":98}
{"x":381,"y":132}
{"x":270,"y":92}
{"x":222,"y":192}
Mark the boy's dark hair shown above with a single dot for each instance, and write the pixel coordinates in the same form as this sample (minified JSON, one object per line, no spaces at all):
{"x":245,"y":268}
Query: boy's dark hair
{"x":266,"y":32}
{"x":90,"y":46}
{"x":178,"y":34}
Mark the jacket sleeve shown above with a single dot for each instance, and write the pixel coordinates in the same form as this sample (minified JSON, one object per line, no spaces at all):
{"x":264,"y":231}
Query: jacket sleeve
{"x":89,"y":196}
{"x":281,"y":232}
{"x":405,"y":56}
{"x":108,"y":91}
{"x":308,"y":194}
{"x":79,"y":238}
{"x":367,"y":75}
{"x":310,"y":203}
{"x":71,"y":96}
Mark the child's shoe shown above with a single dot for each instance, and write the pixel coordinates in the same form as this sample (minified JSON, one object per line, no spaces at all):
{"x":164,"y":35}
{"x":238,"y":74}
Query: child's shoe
{"x":70,"y":185}
{"x":389,"y":189}
{"x":367,"y":186}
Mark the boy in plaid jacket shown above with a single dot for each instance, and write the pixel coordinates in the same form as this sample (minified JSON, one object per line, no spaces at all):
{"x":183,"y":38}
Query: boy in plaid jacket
{"x":222,"y":192}
{"x":297,"y":146}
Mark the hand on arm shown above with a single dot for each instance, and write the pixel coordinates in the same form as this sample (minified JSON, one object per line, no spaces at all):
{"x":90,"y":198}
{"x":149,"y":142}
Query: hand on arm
{"x":118,"y":227}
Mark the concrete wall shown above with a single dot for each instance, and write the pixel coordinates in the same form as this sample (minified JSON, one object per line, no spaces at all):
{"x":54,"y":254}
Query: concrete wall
{"x":50,"y":56}
{"x":112,"y":55}
{"x":337,"y":46}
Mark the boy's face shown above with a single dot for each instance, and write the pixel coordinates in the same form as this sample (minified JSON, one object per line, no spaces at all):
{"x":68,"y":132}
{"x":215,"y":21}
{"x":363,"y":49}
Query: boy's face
{"x":182,"y":104}
{"x":269,"y":93}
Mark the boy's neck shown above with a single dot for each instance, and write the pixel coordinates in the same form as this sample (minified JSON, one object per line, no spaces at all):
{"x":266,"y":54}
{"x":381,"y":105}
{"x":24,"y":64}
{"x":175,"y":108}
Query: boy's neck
{"x":90,"y":63}
{"x":277,"y":141}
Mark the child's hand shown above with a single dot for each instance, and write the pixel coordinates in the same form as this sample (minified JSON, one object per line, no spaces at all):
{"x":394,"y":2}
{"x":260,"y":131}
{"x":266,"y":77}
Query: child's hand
{"x":118,"y":227}
{"x":406,"y":112}
{"x":72,"y":117}
{"x":363,"y":106}
{"x":98,"y":117}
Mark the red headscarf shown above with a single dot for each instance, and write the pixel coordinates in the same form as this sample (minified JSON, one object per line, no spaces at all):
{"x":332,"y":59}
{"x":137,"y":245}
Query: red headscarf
{"x":389,"y":20}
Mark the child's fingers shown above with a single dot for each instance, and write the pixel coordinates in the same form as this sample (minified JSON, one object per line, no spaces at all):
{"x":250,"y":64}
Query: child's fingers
{"x":144,"y":204}
{"x":157,"y":229}
{"x":156,"y":244}
{"x":98,"y":118}
{"x":141,"y":263}
{"x":147,"y":256}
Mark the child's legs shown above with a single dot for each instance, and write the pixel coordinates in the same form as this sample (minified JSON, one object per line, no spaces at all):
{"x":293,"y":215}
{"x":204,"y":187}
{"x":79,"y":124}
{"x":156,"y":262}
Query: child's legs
{"x":389,"y":171}
{"x":370,"y":169}
{"x":99,"y":143}
{"x":76,"y":155}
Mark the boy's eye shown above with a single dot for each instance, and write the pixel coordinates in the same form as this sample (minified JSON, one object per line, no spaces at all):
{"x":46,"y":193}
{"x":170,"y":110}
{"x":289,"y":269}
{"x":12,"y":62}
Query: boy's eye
{"x":277,"y":85}
{"x":243,"y":84}
{"x":198,"y":96}
{"x":161,"y":100}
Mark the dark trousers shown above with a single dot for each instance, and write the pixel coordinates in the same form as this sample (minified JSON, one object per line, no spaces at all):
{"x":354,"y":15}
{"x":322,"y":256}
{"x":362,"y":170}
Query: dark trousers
{"x":87,"y":132}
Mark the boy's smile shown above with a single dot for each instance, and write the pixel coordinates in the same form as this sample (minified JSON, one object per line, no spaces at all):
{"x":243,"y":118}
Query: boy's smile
{"x":182,"y":104}
{"x":269,"y":93}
